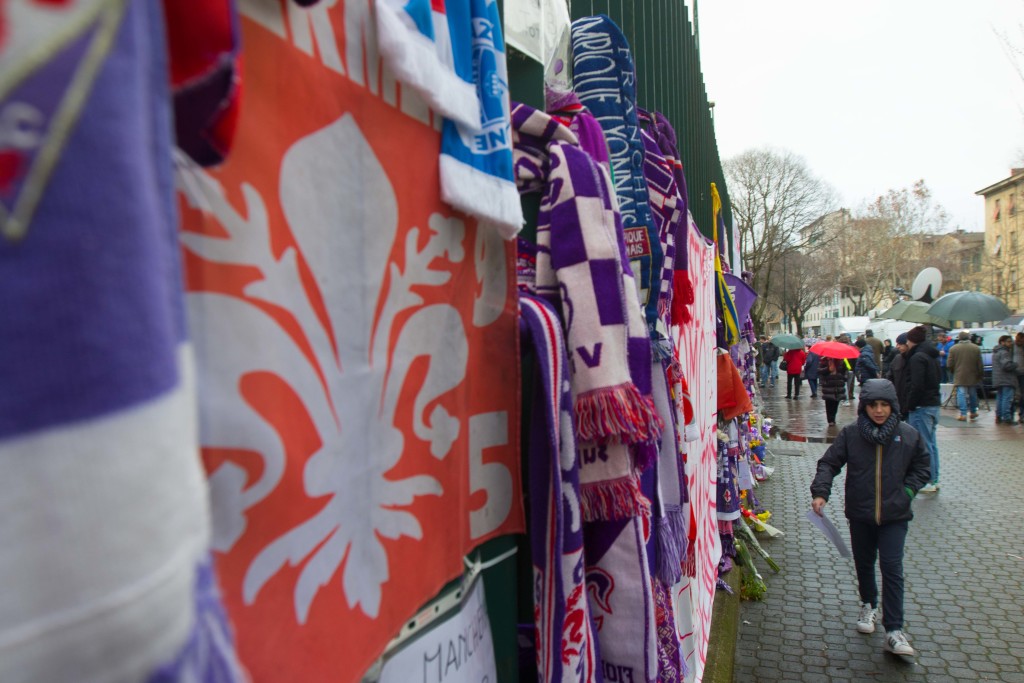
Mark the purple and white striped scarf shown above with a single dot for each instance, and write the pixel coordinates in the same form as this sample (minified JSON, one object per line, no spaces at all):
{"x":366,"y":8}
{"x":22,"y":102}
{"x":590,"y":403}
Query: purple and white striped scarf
{"x":581,"y":250}
{"x":566,"y":646}
{"x":667,"y":207}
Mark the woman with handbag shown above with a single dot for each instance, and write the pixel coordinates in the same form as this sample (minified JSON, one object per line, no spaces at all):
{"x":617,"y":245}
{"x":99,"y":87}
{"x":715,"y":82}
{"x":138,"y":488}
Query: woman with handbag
{"x":833,"y":386}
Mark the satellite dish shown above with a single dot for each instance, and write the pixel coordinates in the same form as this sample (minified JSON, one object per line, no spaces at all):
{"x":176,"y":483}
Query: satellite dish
{"x":926,"y":285}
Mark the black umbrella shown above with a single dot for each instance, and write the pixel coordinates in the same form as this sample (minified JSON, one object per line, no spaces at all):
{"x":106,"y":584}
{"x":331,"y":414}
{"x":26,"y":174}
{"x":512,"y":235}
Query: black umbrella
{"x":976,"y":307}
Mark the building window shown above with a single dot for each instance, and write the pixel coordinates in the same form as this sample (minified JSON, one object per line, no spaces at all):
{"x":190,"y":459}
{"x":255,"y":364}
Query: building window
{"x":1011,"y":203}
{"x":998,"y":211}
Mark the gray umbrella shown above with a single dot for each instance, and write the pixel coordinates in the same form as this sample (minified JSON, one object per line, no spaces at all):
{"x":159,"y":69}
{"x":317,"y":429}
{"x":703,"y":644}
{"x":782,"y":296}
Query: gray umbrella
{"x":788,"y":341}
{"x":914,"y":312}
{"x":976,"y":307}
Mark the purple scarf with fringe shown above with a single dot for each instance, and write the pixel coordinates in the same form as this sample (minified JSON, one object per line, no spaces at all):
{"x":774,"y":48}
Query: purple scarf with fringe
{"x":566,"y":647}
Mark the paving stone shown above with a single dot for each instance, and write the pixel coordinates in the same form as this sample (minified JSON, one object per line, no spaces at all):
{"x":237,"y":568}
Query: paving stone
{"x":963,"y":592}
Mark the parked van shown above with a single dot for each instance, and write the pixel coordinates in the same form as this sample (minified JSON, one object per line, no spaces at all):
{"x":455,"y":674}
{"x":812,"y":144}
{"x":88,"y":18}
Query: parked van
{"x":883,"y":328}
{"x":853,"y":325}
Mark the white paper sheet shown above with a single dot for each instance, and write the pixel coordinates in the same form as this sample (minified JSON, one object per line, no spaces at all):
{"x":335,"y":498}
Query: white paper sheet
{"x":831,"y":532}
{"x":458,"y":650}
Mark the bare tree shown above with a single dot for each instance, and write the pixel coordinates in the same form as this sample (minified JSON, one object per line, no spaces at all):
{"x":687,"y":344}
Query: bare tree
{"x":773,"y":195}
{"x":806,"y":278}
{"x":883,"y":247}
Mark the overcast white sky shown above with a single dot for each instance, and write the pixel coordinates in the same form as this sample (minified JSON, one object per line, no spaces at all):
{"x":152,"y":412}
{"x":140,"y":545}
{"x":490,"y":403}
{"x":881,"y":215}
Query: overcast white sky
{"x":874,"y":94}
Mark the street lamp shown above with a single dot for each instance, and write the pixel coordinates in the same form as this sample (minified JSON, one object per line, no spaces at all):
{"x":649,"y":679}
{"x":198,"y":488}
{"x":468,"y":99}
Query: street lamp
{"x":785,"y":292}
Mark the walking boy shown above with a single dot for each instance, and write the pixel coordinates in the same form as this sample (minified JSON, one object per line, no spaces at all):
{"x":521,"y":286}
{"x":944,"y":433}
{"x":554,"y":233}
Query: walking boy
{"x":887,"y":463}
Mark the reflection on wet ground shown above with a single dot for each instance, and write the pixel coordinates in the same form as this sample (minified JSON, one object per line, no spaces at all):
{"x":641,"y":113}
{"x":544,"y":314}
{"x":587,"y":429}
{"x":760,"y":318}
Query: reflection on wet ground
{"x":803,"y":419}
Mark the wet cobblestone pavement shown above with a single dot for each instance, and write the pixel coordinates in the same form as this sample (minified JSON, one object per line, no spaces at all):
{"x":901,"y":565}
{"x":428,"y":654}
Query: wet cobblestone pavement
{"x":964,"y":563}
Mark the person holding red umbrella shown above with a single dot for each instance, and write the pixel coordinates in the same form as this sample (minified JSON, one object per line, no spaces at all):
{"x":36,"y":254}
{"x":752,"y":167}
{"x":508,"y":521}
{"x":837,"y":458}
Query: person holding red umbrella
{"x":832,"y":373}
{"x":794,"y":366}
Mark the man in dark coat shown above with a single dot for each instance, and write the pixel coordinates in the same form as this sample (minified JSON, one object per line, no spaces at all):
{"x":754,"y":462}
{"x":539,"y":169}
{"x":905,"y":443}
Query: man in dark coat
{"x":886,"y":463}
{"x":769,"y":363}
{"x":888,"y":353}
{"x":866,"y":367}
{"x":811,"y":371}
{"x":1004,"y":379}
{"x":923,"y":397}
{"x":897,"y":371}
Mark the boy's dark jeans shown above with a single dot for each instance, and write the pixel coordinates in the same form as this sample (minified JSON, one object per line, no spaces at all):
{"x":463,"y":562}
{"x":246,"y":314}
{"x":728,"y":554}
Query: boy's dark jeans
{"x":886,"y":542}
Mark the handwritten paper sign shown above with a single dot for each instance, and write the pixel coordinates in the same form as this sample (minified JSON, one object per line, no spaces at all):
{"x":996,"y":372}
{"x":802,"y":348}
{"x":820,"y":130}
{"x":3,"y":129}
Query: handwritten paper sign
{"x":459,"y":650}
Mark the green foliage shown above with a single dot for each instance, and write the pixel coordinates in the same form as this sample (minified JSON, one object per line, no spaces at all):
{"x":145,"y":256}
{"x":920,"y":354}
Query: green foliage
{"x":752,"y":586}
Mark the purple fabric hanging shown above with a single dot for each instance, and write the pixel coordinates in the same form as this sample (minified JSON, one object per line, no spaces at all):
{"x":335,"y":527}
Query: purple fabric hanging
{"x":566,"y":647}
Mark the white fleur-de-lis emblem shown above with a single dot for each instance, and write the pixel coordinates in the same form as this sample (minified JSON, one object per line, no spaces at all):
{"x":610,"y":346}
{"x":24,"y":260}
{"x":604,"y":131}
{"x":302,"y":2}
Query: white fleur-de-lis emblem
{"x":348,"y":367}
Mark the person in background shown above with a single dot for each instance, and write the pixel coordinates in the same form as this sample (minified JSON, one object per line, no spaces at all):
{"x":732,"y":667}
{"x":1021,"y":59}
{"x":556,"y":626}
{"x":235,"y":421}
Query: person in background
{"x":1018,"y":358}
{"x":945,"y":344}
{"x":886,"y":464}
{"x":795,"y":359}
{"x":876,"y":345}
{"x":1004,"y":379}
{"x":769,"y":363}
{"x":866,"y":368}
{"x":888,"y":353}
{"x":963,"y":362}
{"x":897,"y":371}
{"x":923,"y":397}
{"x":850,"y":375}
{"x":832,"y":373}
{"x":811,"y":371}
{"x":759,"y":353}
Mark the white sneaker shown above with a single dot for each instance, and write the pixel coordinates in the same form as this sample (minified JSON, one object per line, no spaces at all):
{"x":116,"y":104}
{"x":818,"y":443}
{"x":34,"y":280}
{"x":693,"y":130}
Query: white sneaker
{"x":896,"y":643}
{"x":929,"y":488}
{"x":866,"y":620}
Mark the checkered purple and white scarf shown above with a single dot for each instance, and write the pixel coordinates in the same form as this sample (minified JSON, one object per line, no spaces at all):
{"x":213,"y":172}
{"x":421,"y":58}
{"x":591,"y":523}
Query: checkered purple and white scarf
{"x":579,"y":269}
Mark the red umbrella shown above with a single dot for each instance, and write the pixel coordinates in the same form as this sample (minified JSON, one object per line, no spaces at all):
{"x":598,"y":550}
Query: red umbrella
{"x":834,"y":349}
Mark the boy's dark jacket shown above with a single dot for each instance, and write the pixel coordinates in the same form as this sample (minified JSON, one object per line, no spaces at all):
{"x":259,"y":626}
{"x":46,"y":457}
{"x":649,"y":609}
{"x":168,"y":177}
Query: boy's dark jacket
{"x":903,"y":463}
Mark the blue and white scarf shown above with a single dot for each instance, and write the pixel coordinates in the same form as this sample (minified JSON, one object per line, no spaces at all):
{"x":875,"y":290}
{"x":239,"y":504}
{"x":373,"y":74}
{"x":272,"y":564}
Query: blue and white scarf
{"x":476,"y":161}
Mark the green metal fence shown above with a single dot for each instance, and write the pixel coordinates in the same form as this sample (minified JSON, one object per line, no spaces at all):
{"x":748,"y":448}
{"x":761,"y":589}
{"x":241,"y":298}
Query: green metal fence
{"x":665,"y":48}
{"x":669,"y":80}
